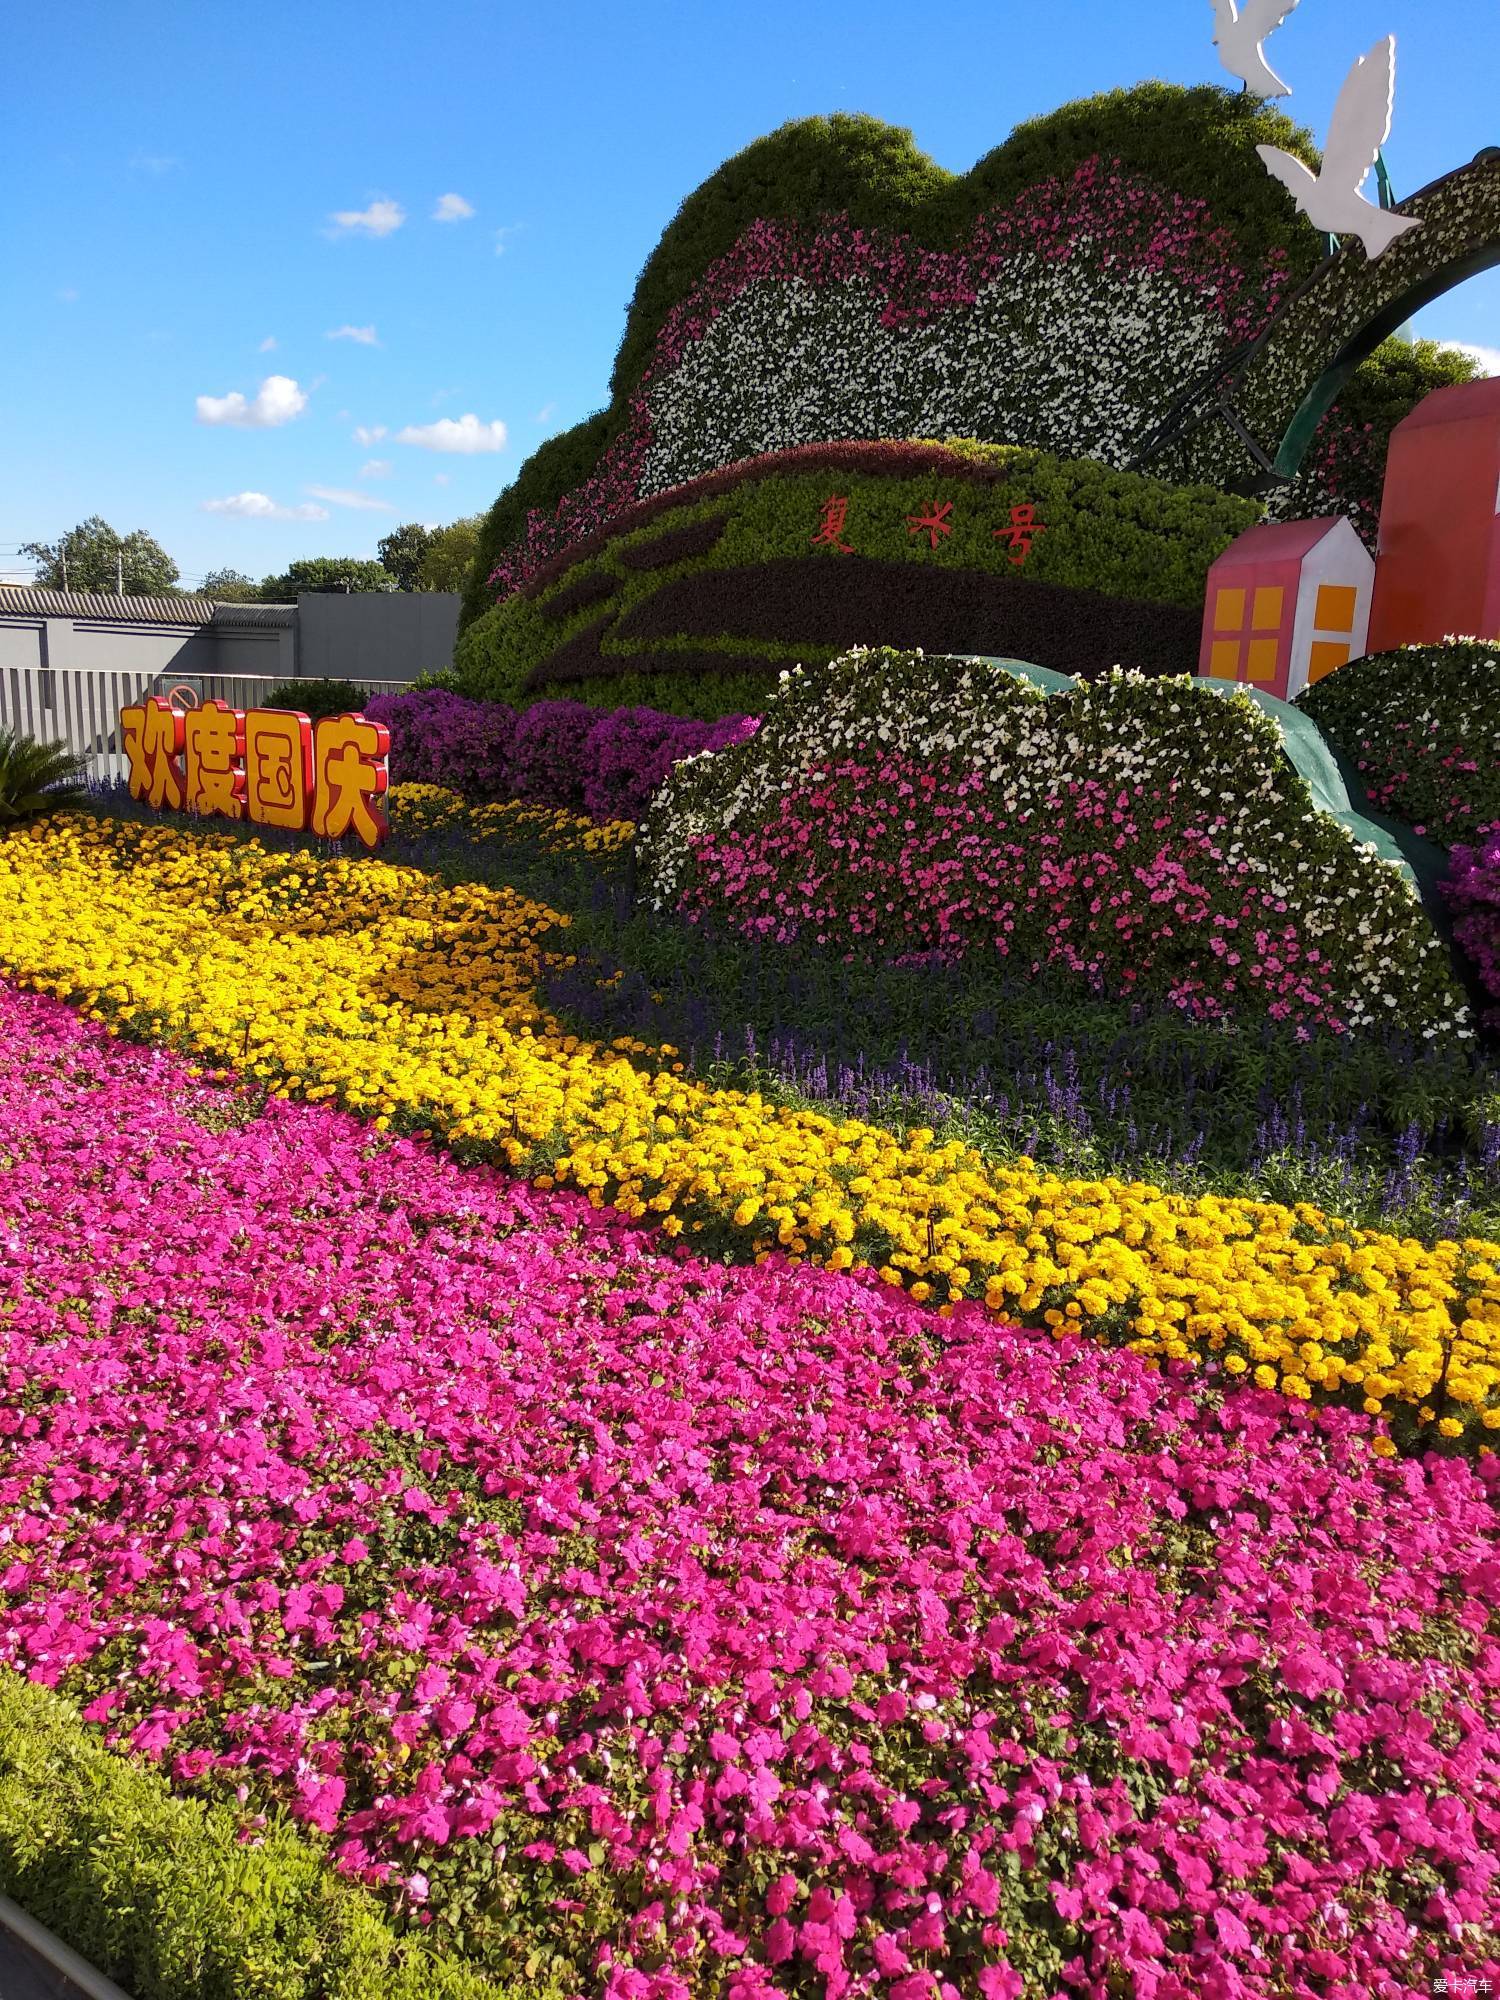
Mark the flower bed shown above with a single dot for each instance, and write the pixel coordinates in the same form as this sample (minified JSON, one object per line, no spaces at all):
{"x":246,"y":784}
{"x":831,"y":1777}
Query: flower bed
{"x":558,"y":754}
{"x":418,"y":810}
{"x":661,"y":1631}
{"x":1144,"y":837}
{"x":414,"y":1002}
{"x":1422,"y":727}
{"x":1474,"y":892}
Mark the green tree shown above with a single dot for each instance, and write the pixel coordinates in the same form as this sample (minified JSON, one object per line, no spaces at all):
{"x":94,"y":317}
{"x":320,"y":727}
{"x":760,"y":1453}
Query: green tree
{"x":324,"y":573}
{"x":401,"y":552}
{"x":450,"y":555}
{"x":93,"y":557}
{"x":229,"y":586}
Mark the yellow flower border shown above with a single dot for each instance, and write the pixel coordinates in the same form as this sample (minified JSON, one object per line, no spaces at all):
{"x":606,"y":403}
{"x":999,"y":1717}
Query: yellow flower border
{"x":379,"y":988}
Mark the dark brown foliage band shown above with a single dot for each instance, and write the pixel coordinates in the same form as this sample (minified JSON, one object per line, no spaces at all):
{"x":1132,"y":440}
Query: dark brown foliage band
{"x":841,"y":601}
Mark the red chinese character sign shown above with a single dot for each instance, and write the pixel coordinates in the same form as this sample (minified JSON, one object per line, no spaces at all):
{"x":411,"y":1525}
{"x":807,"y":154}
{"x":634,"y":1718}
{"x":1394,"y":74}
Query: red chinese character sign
{"x":936,"y":522}
{"x":152,"y":733}
{"x":265,"y":765}
{"x":1021,"y":533}
{"x":830,"y":533}
{"x":278,"y":767}
{"x":214,"y":759}
{"x":350,"y":761}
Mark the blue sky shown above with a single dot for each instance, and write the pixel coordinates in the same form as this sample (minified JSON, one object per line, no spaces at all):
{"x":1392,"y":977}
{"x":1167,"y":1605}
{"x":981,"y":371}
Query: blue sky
{"x":172,"y":170}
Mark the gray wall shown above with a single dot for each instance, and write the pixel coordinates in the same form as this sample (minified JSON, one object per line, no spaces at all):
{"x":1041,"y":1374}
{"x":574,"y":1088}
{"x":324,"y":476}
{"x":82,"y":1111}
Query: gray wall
{"x":54,"y":643}
{"x":375,"y":635}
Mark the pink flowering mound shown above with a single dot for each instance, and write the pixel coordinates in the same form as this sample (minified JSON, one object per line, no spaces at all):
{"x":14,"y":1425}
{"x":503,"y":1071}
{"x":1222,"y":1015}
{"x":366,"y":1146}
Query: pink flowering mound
{"x":844,"y":863}
{"x":675,"y":1630}
{"x":1144,"y":839}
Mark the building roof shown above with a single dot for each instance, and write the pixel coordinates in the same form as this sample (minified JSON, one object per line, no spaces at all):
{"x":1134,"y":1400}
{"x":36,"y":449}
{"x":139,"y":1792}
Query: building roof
{"x":193,"y":612}
{"x":254,"y":614}
{"x":1459,"y":403}
{"x":1279,"y":541}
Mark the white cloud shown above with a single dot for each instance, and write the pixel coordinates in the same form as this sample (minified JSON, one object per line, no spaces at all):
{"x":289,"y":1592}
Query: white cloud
{"x":465,"y":434}
{"x":452,"y":208}
{"x":277,"y":401}
{"x":261,"y":507}
{"x":547,"y":410}
{"x":1487,"y":358}
{"x":343,"y":496}
{"x":368,"y":433}
{"x":500,"y":236}
{"x":375,"y":468}
{"x":69,"y":295}
{"x":155,"y":163}
{"x":441,"y":478}
{"x":365,"y":335}
{"x":268,"y":344}
{"x":379,"y":219}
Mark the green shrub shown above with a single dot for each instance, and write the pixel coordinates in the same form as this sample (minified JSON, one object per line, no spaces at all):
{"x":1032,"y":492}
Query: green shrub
{"x":318,"y":698}
{"x":162,"y":1894}
{"x":36,"y":777}
{"x":1115,"y":534}
{"x":1421,"y":726}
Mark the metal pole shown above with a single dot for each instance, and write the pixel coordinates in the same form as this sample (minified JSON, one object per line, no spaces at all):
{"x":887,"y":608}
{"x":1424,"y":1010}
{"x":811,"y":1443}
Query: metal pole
{"x":119,"y":573}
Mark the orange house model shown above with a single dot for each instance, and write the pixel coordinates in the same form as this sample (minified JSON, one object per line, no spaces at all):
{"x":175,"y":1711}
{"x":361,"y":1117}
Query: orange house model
{"x":1287,"y":603}
{"x":1439,"y":572}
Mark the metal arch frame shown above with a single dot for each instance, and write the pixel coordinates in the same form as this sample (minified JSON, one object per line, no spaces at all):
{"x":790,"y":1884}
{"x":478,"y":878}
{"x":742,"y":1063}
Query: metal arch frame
{"x":1212,"y":394}
{"x":1320,"y":398}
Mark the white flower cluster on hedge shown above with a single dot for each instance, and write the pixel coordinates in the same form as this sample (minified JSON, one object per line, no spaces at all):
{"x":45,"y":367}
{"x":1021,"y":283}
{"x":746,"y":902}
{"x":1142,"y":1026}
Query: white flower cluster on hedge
{"x":1220,"y":758}
{"x":1074,"y":358}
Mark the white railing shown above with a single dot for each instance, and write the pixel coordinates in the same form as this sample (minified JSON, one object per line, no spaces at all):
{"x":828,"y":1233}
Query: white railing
{"x":80,"y":706}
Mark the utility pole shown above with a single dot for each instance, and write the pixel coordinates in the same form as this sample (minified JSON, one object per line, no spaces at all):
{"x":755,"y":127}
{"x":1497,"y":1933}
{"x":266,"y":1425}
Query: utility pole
{"x":65,"y":565}
{"x":119,"y":573}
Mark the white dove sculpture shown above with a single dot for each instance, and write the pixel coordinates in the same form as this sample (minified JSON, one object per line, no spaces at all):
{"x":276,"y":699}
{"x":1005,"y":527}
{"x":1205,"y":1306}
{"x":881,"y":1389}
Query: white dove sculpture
{"x":1361,"y":124}
{"x":1238,"y":34}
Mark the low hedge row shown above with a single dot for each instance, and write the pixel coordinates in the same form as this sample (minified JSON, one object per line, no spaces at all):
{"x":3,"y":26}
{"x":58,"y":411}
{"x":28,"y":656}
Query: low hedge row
{"x":1146,"y":839}
{"x":730,"y":564}
{"x":1421,"y":725}
{"x":317,"y":698}
{"x":169,"y":1896}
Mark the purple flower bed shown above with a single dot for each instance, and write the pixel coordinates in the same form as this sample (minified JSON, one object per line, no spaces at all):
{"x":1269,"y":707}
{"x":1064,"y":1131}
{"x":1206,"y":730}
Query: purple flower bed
{"x":1473,"y":889}
{"x":606,"y":763}
{"x":438,"y":738}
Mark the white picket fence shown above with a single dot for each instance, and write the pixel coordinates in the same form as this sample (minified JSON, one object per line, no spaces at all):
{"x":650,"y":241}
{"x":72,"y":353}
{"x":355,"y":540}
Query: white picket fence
{"x":80,"y":706}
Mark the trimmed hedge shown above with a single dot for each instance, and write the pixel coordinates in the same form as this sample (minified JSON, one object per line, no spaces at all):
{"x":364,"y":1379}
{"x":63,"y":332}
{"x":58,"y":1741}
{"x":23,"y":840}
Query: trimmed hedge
{"x":1145,"y":839}
{"x":318,"y":698}
{"x":164,"y":1895}
{"x":820,"y":608}
{"x":1421,"y":725}
{"x":723,"y":575}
